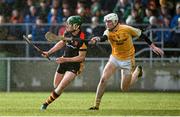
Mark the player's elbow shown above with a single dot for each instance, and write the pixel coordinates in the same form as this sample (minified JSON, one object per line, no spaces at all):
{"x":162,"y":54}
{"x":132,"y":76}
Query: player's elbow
{"x":81,"y":59}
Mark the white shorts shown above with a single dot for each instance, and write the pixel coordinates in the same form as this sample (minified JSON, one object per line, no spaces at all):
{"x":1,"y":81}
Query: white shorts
{"x":123,"y":64}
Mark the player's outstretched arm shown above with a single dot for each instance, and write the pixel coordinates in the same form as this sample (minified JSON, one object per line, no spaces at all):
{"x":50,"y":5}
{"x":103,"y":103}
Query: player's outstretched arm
{"x":155,"y":49}
{"x":96,"y":39}
{"x":55,"y":48}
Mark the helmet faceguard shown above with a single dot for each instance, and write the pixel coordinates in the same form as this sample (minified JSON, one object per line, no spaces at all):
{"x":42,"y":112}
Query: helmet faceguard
{"x":112,"y":17}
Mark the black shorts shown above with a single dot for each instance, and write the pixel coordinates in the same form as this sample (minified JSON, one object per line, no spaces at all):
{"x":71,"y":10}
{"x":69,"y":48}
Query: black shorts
{"x":72,"y":67}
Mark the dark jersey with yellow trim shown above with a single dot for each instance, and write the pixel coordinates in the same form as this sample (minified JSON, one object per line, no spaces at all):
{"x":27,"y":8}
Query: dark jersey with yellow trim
{"x":77,"y":44}
{"x":72,"y":49}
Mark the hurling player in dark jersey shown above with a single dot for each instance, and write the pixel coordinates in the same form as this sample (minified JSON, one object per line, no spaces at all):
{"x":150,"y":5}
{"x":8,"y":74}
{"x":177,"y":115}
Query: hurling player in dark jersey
{"x":70,"y":64}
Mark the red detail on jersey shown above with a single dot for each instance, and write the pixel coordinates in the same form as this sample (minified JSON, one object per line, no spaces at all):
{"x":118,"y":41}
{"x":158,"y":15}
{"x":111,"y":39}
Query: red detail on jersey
{"x":82,"y":36}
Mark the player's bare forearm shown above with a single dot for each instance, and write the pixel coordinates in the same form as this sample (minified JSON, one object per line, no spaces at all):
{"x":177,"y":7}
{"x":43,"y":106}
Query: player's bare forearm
{"x":56,"y":47}
{"x":155,"y":49}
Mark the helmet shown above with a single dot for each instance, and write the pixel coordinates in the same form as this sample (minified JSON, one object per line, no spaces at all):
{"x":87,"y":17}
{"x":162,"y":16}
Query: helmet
{"x":74,"y":22}
{"x":77,"y":20}
{"x":112,"y":16}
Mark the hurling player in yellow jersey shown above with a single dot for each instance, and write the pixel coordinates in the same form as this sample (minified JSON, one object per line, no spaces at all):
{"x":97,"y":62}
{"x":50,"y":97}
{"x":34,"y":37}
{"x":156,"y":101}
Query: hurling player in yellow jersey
{"x":122,"y":56}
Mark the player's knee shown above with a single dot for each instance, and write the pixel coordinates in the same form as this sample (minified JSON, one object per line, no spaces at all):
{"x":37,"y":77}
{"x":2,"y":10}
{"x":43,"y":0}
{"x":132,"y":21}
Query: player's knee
{"x":103,"y":80}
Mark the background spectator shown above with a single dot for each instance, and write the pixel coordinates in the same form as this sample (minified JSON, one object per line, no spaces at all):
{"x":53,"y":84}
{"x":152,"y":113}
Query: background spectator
{"x":43,"y":9}
{"x":95,"y":29}
{"x":148,"y":13}
{"x":133,"y":18}
{"x":169,"y":5}
{"x":31,"y":17}
{"x":140,"y":10}
{"x":107,"y":6}
{"x":16,"y":17}
{"x":54,"y":16}
{"x":95,"y":6}
{"x":38,"y":32}
{"x":66,"y":13}
{"x":55,"y":13}
{"x":123,"y":9}
{"x":27,"y":6}
{"x":167,"y":35}
{"x":5,"y":9}
{"x":174,"y":21}
{"x":3,"y":28}
{"x":154,"y":24}
{"x":176,"y":34}
{"x":83,"y":11}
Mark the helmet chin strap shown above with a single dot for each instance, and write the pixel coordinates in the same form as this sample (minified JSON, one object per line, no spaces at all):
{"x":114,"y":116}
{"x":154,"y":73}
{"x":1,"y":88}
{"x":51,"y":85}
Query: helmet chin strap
{"x":75,"y":31}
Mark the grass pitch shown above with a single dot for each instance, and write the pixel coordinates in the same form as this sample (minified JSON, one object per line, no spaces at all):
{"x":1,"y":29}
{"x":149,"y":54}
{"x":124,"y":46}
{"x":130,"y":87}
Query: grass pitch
{"x":77,"y":104}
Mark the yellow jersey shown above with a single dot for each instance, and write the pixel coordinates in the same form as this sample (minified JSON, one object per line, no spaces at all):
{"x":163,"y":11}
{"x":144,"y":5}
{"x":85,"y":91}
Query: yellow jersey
{"x":120,"y":40}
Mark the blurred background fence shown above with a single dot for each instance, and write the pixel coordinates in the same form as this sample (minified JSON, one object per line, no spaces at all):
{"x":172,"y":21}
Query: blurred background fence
{"x":23,"y":69}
